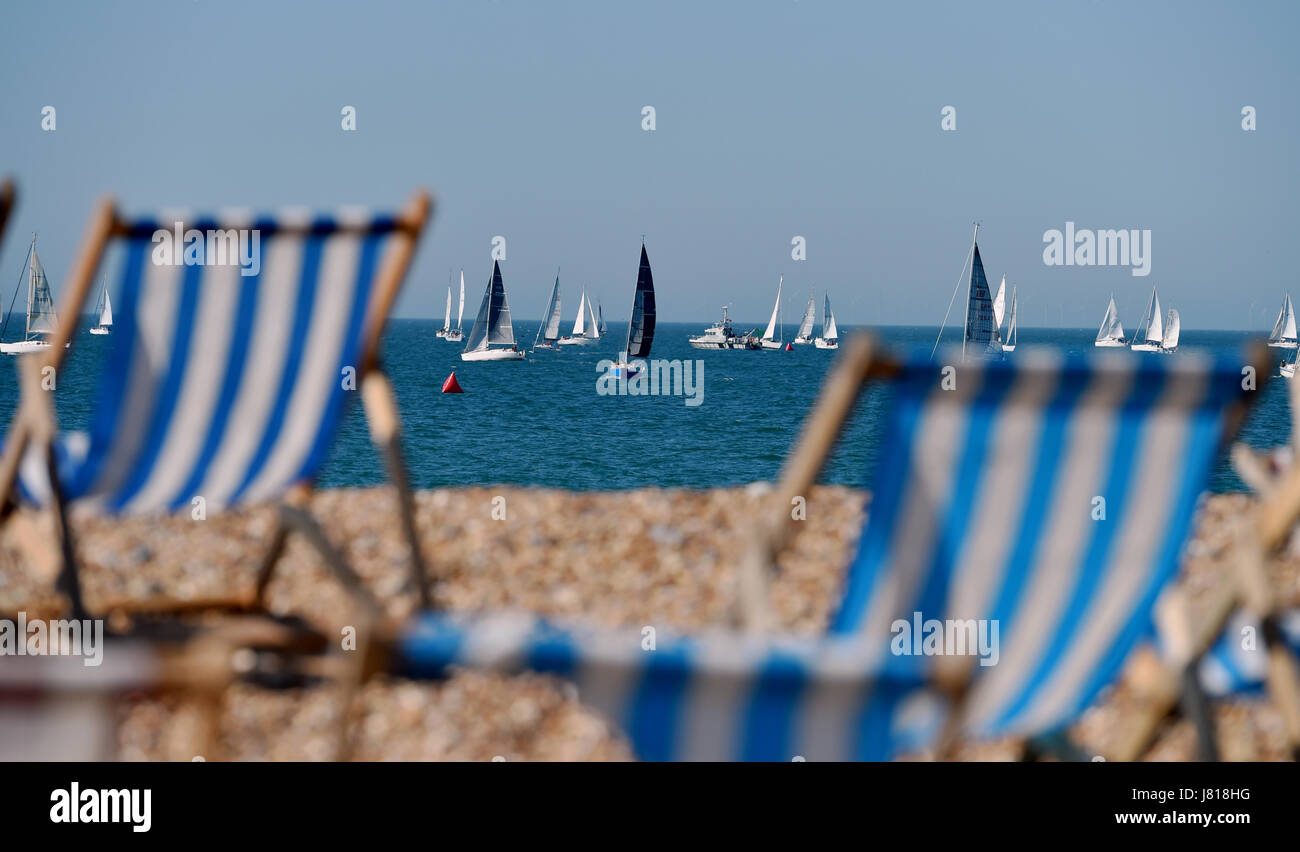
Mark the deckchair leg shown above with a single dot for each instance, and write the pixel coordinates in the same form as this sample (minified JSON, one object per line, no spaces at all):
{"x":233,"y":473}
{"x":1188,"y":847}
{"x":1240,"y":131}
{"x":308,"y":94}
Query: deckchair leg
{"x":301,"y":521}
{"x":69,"y":583}
{"x":1196,"y":708}
{"x":385,"y":432}
{"x":272,"y":557}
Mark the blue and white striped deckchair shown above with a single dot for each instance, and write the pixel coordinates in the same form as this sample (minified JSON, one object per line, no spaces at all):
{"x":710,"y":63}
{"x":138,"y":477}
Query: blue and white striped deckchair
{"x":714,"y":696}
{"x":1049,"y":495}
{"x":226,"y":381}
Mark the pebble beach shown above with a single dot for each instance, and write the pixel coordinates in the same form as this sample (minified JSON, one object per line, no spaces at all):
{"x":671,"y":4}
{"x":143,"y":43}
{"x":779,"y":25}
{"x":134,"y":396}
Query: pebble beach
{"x":660,"y":557}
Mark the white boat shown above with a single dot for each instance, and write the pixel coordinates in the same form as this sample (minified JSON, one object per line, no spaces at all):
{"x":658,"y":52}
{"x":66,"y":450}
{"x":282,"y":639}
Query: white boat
{"x":455,"y":335}
{"x":549,"y":330}
{"x":1010,"y":344}
{"x":767,"y":341}
{"x":641,"y":325}
{"x":585,"y":328}
{"x":492,"y":326}
{"x":41,"y":317}
{"x":1151,"y":334}
{"x":1283,"y":335}
{"x":1111,"y":333}
{"x":1286,"y":370}
{"x":720,"y":335}
{"x":105,"y":310}
{"x":981,"y":338}
{"x":830,"y":338}
{"x":804,"y":334}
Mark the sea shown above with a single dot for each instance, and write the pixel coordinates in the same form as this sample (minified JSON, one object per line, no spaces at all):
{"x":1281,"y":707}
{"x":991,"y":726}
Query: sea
{"x":541,"y":422}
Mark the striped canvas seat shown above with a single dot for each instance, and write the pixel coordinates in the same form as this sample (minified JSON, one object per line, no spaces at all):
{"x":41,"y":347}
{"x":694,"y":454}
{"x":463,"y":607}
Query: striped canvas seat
{"x":714,"y":696}
{"x":1047,"y":495}
{"x":219,"y":384}
{"x":1238,"y":662}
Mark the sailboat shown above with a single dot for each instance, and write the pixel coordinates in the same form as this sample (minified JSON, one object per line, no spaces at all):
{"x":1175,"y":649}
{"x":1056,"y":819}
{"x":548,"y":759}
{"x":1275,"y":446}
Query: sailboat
{"x":585,"y":328}
{"x":455,"y":335}
{"x":1284,"y":332}
{"x":981,"y":338}
{"x":804,"y":334}
{"x":105,"y":310}
{"x":549,"y":330}
{"x":41,"y":318}
{"x":767,"y":341}
{"x":1151,"y":333}
{"x":830,"y":338}
{"x":1172,"y":326}
{"x":446,"y":317}
{"x":641,"y":325}
{"x":492,"y":325}
{"x":1111,"y":333}
{"x":1010,"y":344}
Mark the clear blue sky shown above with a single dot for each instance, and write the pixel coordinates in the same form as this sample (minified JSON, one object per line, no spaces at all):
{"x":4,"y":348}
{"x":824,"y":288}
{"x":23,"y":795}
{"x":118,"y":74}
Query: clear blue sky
{"x":773,"y":119}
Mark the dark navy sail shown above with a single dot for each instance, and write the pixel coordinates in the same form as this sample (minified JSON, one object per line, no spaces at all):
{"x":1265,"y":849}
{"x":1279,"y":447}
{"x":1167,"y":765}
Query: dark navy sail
{"x":981,"y":328}
{"x":641,"y":328}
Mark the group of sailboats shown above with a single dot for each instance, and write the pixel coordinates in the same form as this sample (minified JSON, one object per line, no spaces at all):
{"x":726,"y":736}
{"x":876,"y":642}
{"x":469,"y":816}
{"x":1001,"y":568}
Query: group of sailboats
{"x":1155,"y":334}
{"x":41,"y":318}
{"x":448,"y":333}
{"x":492,"y":338}
{"x":1283,"y":336}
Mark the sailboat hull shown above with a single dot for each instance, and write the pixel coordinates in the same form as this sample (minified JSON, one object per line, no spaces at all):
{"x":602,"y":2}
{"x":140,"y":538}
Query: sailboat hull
{"x":771,"y":344}
{"x":1110,"y":344}
{"x":1287,"y":370}
{"x":493,"y":355}
{"x":823,"y":343}
{"x":1283,"y":344}
{"x":1011,"y":348}
{"x":1146,"y":347}
{"x":20,"y":347}
{"x":800,"y":341}
{"x":453,"y":336}
{"x":99,"y":330}
{"x":576,"y":341}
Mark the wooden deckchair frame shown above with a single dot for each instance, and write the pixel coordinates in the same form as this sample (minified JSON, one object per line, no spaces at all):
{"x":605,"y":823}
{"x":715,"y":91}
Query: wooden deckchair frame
{"x":34,"y":422}
{"x":863,"y":361}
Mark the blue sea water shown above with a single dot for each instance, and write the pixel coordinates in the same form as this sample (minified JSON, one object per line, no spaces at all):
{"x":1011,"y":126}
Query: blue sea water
{"x":541,"y":422}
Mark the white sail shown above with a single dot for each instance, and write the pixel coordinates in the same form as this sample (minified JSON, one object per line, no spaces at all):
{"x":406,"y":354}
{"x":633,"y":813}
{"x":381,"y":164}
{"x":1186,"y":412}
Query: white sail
{"x":106,"y":315}
{"x":580,"y":324}
{"x":771,"y":323}
{"x":1284,"y":330}
{"x":1000,"y":303}
{"x":829,"y":331}
{"x":1011,"y":324}
{"x":1171,"y":329}
{"x":1152,"y":329}
{"x":1111,"y":328}
{"x":551,"y":322}
{"x":460,"y":312}
{"x":806,"y":324}
{"x":41,"y":318}
{"x":446,"y":319}
{"x":593,"y":328}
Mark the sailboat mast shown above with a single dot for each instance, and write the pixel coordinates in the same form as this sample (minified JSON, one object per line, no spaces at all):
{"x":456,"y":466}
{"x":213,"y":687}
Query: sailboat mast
{"x":31,"y":288}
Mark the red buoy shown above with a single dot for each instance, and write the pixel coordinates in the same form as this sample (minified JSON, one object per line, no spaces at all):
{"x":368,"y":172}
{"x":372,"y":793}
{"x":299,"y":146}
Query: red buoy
{"x":789,"y":347}
{"x":451,"y":385}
